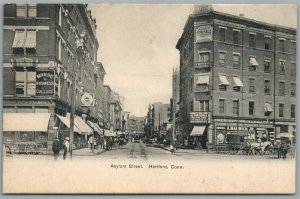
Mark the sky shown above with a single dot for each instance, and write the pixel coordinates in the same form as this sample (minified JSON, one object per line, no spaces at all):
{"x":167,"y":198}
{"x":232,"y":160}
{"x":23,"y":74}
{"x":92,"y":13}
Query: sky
{"x":137,"y":45}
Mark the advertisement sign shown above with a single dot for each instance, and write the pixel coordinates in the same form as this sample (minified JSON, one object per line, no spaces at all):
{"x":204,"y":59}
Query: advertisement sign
{"x":87,"y":99}
{"x":204,"y":33}
{"x":200,"y":117}
{"x":44,"y":83}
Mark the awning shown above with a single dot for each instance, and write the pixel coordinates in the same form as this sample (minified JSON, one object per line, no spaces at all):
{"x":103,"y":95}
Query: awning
{"x":253,"y":61}
{"x":109,"y":133}
{"x":198,"y":130}
{"x":30,"y":39}
{"x":19,"y":39}
{"x":95,"y":127}
{"x":223,"y":80}
{"x":26,"y":122}
{"x":83,"y":127}
{"x":268,"y":107}
{"x":286,"y":135}
{"x":238,"y":82}
{"x":66,"y":121}
{"x":202,"y":79}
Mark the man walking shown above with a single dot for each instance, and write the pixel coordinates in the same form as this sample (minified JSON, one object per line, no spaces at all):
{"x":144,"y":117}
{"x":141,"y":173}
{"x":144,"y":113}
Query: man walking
{"x":66,"y":147}
{"x":56,"y":148}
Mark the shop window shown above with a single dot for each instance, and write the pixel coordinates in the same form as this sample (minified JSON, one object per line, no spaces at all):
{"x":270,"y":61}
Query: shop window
{"x":267,"y":87}
{"x":222,"y":58}
{"x":267,"y":66}
{"x":235,"y":107}
{"x":251,"y":85}
{"x":221,"y":106}
{"x":267,"y":43}
{"x":281,"y":110}
{"x":293,"y":89}
{"x":251,"y":108}
{"x":293,"y":113}
{"x":236,"y":61}
{"x":252,"y":40}
{"x":236,"y":37}
{"x":281,"y":88}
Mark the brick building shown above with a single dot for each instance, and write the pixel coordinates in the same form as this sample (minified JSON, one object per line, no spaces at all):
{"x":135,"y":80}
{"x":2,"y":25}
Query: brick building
{"x":237,"y":75}
{"x":48,"y":50}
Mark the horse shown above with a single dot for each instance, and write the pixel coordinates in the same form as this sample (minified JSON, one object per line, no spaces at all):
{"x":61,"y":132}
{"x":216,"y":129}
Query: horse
{"x":259,"y":147}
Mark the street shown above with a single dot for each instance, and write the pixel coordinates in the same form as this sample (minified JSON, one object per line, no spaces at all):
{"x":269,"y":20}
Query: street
{"x":136,"y":162}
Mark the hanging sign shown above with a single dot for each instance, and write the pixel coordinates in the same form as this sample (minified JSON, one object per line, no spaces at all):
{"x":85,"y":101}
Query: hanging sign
{"x":87,"y":99}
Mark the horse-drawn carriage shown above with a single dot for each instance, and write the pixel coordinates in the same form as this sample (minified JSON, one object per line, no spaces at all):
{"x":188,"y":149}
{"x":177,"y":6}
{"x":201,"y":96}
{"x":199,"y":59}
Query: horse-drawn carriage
{"x":242,"y":144}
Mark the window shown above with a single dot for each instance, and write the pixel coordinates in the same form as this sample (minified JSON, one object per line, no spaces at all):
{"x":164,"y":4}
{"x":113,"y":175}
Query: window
{"x":251,"y":108}
{"x":293,"y":114}
{"x":204,"y":59}
{"x":252,"y":38}
{"x":24,"y":42}
{"x":235,"y":107}
{"x":293,"y":69}
{"x":236,"y":60}
{"x":235,"y":37}
{"x":293,"y":89}
{"x":221,"y":58}
{"x":294,"y":47}
{"x":204,"y":105}
{"x":282,"y":66}
{"x":25,"y":83}
{"x":281,"y":110}
{"x":281,"y":88}
{"x":191,"y":84}
{"x":267,"y":43}
{"x":251,"y":85}
{"x":267,"y":66}
{"x":237,"y":84}
{"x":222,"y":34}
{"x":252,"y":63}
{"x":267,"y":87}
{"x":222,"y":106}
{"x":223,"y":82}
{"x":26,"y":10}
{"x":281,"y":45}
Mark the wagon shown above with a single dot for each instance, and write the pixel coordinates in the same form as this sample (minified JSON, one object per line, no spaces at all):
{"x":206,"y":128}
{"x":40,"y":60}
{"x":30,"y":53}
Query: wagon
{"x":26,"y":147}
{"x":237,"y":144}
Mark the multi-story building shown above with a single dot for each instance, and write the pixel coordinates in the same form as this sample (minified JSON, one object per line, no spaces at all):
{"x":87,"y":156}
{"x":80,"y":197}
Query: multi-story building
{"x":174,"y":102}
{"x":161,"y":114}
{"x":125,"y":120}
{"x":116,"y":111}
{"x":48,"y":50}
{"x":106,"y":106}
{"x":136,"y":124}
{"x":237,"y":75}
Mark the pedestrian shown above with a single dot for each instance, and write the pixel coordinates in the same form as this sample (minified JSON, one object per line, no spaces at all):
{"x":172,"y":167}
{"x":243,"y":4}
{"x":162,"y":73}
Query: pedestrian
{"x":172,"y":149}
{"x":56,"y":146}
{"x":278,"y":149}
{"x":207,"y":146}
{"x":66,"y":147}
{"x":91,"y":142}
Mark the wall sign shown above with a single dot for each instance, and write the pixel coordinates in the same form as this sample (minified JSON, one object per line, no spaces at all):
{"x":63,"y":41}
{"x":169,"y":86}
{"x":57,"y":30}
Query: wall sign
{"x":204,"y":33}
{"x":200,"y":117}
{"x":87,"y":99}
{"x":44,"y":83}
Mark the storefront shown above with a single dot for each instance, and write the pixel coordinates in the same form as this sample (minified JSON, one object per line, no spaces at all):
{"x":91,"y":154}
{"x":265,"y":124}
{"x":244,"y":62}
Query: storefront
{"x":248,"y":129}
{"x":25,"y":127}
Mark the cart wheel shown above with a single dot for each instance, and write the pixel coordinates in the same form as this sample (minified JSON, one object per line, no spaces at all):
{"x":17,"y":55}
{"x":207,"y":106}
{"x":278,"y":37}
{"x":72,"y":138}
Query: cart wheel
{"x":30,"y":149}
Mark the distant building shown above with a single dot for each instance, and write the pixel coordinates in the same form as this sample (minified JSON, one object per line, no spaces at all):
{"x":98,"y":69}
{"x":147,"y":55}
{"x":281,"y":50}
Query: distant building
{"x":161,"y":114}
{"x":136,"y":124}
{"x":237,"y":75}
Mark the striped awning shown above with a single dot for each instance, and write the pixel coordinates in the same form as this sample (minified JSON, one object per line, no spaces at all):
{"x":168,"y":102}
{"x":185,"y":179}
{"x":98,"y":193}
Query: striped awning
{"x":19,"y":40}
{"x":30,"y":39}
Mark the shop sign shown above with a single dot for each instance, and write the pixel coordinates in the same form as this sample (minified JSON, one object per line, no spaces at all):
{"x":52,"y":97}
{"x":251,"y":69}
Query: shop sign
{"x":44,"y":83}
{"x":200,"y":117}
{"x":242,"y":121}
{"x":204,"y":33}
{"x":87,"y":99}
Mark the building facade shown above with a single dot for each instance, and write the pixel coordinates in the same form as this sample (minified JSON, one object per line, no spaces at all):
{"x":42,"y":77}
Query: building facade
{"x":136,"y":124}
{"x":50,"y":59}
{"x":237,"y":75}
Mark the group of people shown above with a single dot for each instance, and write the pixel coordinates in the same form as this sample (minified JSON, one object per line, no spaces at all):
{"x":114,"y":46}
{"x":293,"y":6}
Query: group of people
{"x":57,"y":146}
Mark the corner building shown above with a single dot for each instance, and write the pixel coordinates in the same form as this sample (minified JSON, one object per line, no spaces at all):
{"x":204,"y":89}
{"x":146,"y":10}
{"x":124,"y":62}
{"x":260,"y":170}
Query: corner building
{"x":48,"y":49}
{"x":237,"y":75}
